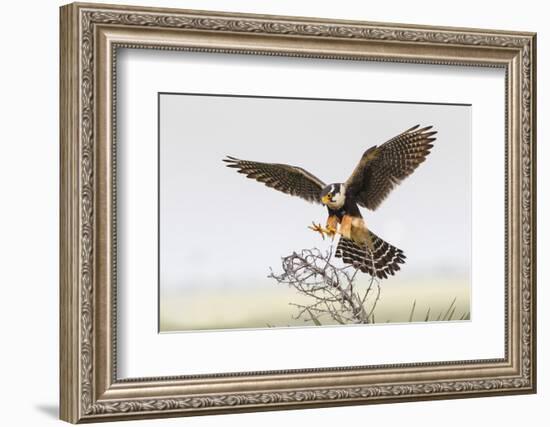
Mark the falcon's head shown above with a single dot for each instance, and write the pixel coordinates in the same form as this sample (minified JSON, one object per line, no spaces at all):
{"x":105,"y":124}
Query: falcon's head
{"x":334,"y":196}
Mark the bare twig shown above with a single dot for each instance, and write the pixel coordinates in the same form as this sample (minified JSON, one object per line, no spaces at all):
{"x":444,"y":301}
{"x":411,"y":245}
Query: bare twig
{"x":332,"y":289}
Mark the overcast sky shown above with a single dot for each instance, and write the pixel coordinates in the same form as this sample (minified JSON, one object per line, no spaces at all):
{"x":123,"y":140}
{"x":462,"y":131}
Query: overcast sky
{"x":218,"y":228}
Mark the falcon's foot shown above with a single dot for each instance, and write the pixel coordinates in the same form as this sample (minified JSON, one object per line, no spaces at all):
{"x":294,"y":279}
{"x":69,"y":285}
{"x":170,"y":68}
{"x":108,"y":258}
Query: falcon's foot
{"x":329,"y":230}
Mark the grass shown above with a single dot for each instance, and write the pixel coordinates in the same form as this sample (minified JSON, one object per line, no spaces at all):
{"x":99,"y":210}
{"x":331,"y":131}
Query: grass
{"x":261,"y":307}
{"x":447,"y":316}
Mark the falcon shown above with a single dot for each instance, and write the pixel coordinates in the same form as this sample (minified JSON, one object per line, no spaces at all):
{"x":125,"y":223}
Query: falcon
{"x":380,"y":170}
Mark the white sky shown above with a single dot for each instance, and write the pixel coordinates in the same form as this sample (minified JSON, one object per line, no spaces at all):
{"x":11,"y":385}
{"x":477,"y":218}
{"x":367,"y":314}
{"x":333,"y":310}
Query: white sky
{"x":218,"y":228}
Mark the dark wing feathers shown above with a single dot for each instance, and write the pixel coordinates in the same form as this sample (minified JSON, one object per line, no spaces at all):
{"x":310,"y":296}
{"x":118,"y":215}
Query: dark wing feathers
{"x":384,"y":167}
{"x":291,"y":180}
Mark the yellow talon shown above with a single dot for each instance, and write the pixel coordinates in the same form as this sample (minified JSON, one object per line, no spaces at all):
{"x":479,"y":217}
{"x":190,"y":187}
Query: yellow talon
{"x":317,"y":228}
{"x":329,"y":231}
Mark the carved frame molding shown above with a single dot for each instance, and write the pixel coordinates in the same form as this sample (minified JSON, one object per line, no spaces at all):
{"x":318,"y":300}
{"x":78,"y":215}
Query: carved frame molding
{"x":90,"y":35}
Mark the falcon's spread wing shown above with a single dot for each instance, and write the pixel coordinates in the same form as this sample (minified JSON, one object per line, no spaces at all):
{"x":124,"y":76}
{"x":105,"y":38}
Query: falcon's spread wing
{"x":384,"y":167}
{"x":288,"y":179}
{"x":380,"y":261}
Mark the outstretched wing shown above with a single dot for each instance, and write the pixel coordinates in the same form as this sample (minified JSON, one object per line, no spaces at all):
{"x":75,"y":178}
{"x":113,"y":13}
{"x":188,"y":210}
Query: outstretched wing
{"x":288,"y":179}
{"x":383,"y":168}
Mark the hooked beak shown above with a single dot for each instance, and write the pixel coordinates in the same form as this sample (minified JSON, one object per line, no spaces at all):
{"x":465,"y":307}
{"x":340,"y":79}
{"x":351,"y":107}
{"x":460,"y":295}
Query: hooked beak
{"x":325,"y":199}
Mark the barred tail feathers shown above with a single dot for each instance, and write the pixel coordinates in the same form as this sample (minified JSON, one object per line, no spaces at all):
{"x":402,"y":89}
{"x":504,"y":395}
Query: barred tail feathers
{"x":382,"y":260}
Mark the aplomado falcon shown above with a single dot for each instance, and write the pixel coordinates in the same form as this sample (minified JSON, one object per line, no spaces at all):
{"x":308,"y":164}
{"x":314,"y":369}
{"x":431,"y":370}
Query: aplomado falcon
{"x":380,"y":169}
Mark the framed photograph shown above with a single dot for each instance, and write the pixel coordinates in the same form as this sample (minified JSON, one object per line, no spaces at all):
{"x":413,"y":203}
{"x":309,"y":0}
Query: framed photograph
{"x":266,"y":212}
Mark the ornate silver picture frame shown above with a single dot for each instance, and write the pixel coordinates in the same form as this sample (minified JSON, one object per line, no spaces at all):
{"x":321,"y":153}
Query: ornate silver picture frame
{"x":92,"y":36}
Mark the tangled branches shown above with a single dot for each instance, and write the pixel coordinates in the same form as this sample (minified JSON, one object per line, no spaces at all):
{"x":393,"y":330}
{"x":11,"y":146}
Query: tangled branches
{"x":331,"y":290}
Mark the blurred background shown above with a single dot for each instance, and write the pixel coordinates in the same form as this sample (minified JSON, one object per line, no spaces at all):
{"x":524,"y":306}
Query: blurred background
{"x":221,"y":233}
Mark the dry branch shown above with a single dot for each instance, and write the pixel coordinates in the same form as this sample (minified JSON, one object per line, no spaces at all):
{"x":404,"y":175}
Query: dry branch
{"x":331,"y":289}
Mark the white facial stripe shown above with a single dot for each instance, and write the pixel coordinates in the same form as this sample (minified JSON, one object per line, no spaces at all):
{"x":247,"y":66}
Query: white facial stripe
{"x":338,"y":199}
